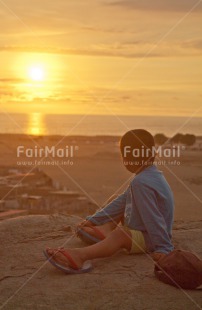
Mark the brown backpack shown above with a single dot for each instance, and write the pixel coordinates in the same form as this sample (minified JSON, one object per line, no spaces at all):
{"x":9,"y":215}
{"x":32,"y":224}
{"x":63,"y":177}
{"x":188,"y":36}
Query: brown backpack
{"x":180,"y":268}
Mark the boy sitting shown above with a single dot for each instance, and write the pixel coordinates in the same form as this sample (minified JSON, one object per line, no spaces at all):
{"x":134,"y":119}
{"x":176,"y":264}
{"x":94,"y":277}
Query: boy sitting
{"x":145,"y":209}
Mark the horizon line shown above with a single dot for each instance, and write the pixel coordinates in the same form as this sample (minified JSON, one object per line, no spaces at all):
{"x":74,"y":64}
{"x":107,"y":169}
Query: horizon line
{"x":78,"y":114}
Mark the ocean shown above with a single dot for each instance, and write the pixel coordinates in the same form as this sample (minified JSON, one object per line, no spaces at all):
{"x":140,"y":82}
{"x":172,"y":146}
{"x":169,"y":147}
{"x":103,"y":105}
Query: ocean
{"x":38,"y":124}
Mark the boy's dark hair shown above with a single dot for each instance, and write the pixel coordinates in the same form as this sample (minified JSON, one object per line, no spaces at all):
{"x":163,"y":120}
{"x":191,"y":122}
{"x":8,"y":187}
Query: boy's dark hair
{"x":142,"y":142}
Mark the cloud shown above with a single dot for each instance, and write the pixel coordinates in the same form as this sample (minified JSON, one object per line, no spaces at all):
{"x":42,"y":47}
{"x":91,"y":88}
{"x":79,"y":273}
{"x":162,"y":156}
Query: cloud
{"x":10,"y":80}
{"x":127,"y":49}
{"x":116,"y":50}
{"x":119,"y":29}
{"x":158,"y":5}
{"x":5,"y":93}
{"x":195,"y":44}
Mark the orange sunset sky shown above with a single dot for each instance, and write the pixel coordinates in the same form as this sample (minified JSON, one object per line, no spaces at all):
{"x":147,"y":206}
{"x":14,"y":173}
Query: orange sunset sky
{"x":101,"y":57}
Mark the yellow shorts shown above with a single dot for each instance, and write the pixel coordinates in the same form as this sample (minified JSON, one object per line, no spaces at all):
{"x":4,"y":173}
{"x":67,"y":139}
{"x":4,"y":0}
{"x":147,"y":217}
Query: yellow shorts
{"x":138,"y":243}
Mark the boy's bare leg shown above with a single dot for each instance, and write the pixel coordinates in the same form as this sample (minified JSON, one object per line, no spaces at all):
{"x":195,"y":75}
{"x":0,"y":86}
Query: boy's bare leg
{"x":117,"y":239}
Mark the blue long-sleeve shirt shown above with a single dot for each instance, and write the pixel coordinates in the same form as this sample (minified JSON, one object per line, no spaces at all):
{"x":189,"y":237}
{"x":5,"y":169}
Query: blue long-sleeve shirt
{"x":147,"y":205}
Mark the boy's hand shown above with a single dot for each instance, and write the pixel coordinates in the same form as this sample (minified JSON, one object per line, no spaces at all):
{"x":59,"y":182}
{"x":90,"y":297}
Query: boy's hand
{"x":84,"y":223}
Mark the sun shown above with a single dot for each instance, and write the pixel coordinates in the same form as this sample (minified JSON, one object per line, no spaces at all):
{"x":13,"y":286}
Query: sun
{"x":36,"y":73}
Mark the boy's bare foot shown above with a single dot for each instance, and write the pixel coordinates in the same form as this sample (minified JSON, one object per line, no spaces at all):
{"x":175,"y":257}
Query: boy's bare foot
{"x":61,"y":259}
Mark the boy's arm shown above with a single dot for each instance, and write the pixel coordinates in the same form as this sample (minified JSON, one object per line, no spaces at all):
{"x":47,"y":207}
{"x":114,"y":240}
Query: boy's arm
{"x":112,"y":210}
{"x":152,"y":218}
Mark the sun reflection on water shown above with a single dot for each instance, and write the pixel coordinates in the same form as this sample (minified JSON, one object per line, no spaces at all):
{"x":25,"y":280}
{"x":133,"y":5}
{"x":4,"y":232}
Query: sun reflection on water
{"x":36,"y":125}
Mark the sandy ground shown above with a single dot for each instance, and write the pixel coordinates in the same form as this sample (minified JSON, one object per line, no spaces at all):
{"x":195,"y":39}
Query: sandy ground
{"x":121,"y":282}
